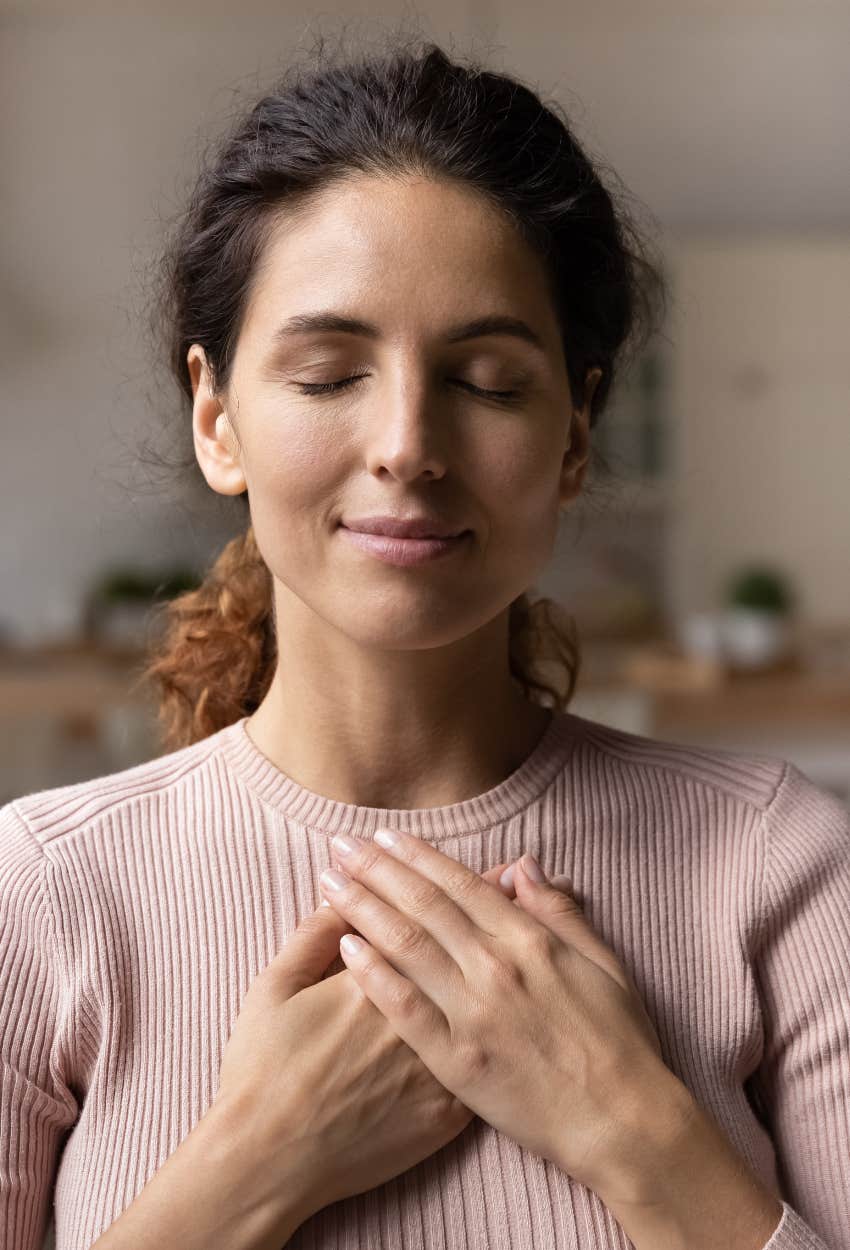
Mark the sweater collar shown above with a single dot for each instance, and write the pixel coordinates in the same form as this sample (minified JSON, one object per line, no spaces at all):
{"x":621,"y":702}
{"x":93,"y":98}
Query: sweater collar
{"x":518,"y":791}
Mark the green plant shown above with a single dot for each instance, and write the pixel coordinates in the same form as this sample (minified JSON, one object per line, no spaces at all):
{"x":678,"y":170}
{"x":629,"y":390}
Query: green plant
{"x":122,"y":584}
{"x":761,"y":588}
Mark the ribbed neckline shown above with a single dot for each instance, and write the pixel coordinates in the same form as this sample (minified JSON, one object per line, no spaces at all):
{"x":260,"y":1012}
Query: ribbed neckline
{"x":512,"y":795}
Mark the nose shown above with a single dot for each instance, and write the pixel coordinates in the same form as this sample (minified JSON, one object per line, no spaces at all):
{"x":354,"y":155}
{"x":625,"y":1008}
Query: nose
{"x":408,"y":434}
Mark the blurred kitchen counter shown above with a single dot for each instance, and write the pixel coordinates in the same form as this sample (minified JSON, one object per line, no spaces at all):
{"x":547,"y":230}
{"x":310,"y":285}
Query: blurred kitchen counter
{"x":69,"y":713}
{"x":72,"y":679}
{"x":798,"y":710}
{"x":812,"y":687}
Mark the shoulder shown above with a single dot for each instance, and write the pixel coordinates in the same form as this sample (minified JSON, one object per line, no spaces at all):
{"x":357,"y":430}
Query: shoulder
{"x":806,"y":832}
{"x":743,"y":777}
{"x":52,"y":814}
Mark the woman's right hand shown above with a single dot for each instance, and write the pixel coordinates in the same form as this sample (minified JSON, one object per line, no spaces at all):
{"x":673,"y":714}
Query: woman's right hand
{"x":331,"y":1099}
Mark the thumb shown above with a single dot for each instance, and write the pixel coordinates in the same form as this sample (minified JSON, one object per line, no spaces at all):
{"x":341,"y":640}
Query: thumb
{"x":311,"y":948}
{"x":493,"y":877}
{"x":554,"y":904}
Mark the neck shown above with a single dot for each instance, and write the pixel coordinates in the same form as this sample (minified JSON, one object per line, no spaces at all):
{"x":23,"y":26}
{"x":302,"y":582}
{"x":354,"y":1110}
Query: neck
{"x":397,"y":729}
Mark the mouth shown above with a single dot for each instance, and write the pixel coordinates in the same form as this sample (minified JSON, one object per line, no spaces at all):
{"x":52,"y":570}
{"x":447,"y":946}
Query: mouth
{"x":395,"y":527}
{"x":405,"y":551}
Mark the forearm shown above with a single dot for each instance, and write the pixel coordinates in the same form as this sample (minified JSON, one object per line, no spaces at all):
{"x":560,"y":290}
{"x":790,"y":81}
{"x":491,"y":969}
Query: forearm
{"x":212,"y":1191}
{"x":690,"y":1189}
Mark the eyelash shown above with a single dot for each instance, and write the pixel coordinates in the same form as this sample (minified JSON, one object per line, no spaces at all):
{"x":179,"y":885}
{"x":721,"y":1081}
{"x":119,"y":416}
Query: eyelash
{"x":327,"y":388}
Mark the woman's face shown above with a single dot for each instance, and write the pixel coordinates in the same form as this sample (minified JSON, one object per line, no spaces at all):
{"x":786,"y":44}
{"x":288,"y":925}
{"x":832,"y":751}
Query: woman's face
{"x":416,"y":433}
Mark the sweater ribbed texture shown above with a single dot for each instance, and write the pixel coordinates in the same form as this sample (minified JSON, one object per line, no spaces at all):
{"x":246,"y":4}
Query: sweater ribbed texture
{"x":136,"y":909}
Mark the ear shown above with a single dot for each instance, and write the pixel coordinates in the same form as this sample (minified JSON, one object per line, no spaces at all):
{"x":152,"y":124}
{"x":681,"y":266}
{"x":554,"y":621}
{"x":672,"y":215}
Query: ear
{"x":577,"y":454}
{"x":216,"y":444}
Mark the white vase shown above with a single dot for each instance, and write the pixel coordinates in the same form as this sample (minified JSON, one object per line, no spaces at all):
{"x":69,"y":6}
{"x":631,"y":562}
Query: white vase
{"x":754,"y":638}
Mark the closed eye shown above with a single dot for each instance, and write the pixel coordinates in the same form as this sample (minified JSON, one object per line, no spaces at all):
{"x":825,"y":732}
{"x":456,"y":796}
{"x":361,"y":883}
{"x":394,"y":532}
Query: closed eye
{"x":327,"y":388}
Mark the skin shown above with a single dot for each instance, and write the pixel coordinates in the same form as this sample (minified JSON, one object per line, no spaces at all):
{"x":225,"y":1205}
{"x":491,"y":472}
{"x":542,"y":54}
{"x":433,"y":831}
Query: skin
{"x":397,"y":678}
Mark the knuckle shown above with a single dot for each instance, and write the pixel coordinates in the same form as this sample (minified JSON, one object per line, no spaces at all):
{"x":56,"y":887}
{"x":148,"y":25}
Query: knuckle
{"x":508,"y":977}
{"x":368,"y":856}
{"x":504,"y":975}
{"x":406,"y":939}
{"x":369,"y":967}
{"x":403,"y":998}
{"x":564,"y":905}
{"x":473,"y":1060}
{"x":463,"y":884}
{"x":356,"y":898}
{"x":420,"y":897}
{"x":540,"y":943}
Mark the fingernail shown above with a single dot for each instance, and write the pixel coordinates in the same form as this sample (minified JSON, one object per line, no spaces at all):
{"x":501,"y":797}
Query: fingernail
{"x":385,"y":837}
{"x":532,"y":867}
{"x":507,"y":877}
{"x":332,"y":880}
{"x":342,"y":846}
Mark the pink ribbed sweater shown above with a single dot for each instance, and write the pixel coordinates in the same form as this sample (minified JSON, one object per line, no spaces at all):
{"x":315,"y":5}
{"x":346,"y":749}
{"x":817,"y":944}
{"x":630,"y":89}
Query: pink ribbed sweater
{"x":138,"y":907}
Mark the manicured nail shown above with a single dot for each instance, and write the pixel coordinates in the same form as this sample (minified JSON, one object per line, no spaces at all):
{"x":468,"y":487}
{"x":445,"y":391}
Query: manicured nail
{"x":532,"y":868}
{"x":507,"y":877}
{"x":385,"y":837}
{"x":332,"y":880}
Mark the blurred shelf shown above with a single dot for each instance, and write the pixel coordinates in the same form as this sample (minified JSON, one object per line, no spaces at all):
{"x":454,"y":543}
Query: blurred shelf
{"x":72,"y":679}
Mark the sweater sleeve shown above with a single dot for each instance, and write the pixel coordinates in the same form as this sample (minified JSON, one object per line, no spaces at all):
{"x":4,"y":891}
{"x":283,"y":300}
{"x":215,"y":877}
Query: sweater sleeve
{"x":802,"y":966}
{"x":36,"y":1106}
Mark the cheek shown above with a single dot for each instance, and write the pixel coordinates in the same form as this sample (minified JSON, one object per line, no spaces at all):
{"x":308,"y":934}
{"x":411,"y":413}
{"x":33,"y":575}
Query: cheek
{"x":292,"y":466}
{"x":522,"y":478}
{"x":286,"y":449}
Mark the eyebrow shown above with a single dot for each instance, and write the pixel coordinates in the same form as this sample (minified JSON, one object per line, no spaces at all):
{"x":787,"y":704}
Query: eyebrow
{"x":336,"y":323}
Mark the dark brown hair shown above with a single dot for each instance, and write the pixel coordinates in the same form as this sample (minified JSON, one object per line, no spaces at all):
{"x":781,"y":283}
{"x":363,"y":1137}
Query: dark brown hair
{"x":406,"y":109}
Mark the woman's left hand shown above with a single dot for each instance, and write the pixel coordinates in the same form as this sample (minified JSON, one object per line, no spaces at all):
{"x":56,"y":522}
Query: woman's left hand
{"x":517,"y":1008}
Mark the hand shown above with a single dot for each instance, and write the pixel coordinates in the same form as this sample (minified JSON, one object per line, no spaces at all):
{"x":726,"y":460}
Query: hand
{"x":521,"y":1012}
{"x":320,"y":1095}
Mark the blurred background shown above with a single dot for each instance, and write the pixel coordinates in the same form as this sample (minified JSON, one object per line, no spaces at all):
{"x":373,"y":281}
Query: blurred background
{"x":707,"y":566}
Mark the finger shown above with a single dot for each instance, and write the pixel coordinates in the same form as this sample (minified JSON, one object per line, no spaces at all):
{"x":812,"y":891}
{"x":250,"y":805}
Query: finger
{"x":408,"y":946}
{"x":560,"y":882}
{"x":494,"y":875}
{"x":557,"y":908}
{"x":457,"y":908}
{"x":413,"y":1015}
{"x":310,"y":949}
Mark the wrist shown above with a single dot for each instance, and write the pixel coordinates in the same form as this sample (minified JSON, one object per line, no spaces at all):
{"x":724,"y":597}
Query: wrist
{"x":654,"y":1114}
{"x":272,"y":1193}
{"x":682,"y":1185}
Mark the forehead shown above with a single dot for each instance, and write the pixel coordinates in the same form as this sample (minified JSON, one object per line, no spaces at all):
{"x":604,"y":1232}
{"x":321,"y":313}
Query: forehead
{"x":408,"y":252}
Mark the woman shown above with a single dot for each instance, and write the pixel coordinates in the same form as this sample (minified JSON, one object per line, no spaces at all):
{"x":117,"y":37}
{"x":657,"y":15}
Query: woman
{"x":396,"y":303}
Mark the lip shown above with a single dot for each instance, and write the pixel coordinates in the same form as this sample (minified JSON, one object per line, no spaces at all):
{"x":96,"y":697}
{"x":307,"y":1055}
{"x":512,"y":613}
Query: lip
{"x":404,"y":551}
{"x":400,"y":527}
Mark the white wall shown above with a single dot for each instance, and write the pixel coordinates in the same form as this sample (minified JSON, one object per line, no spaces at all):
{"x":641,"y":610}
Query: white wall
{"x":761,"y":396}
